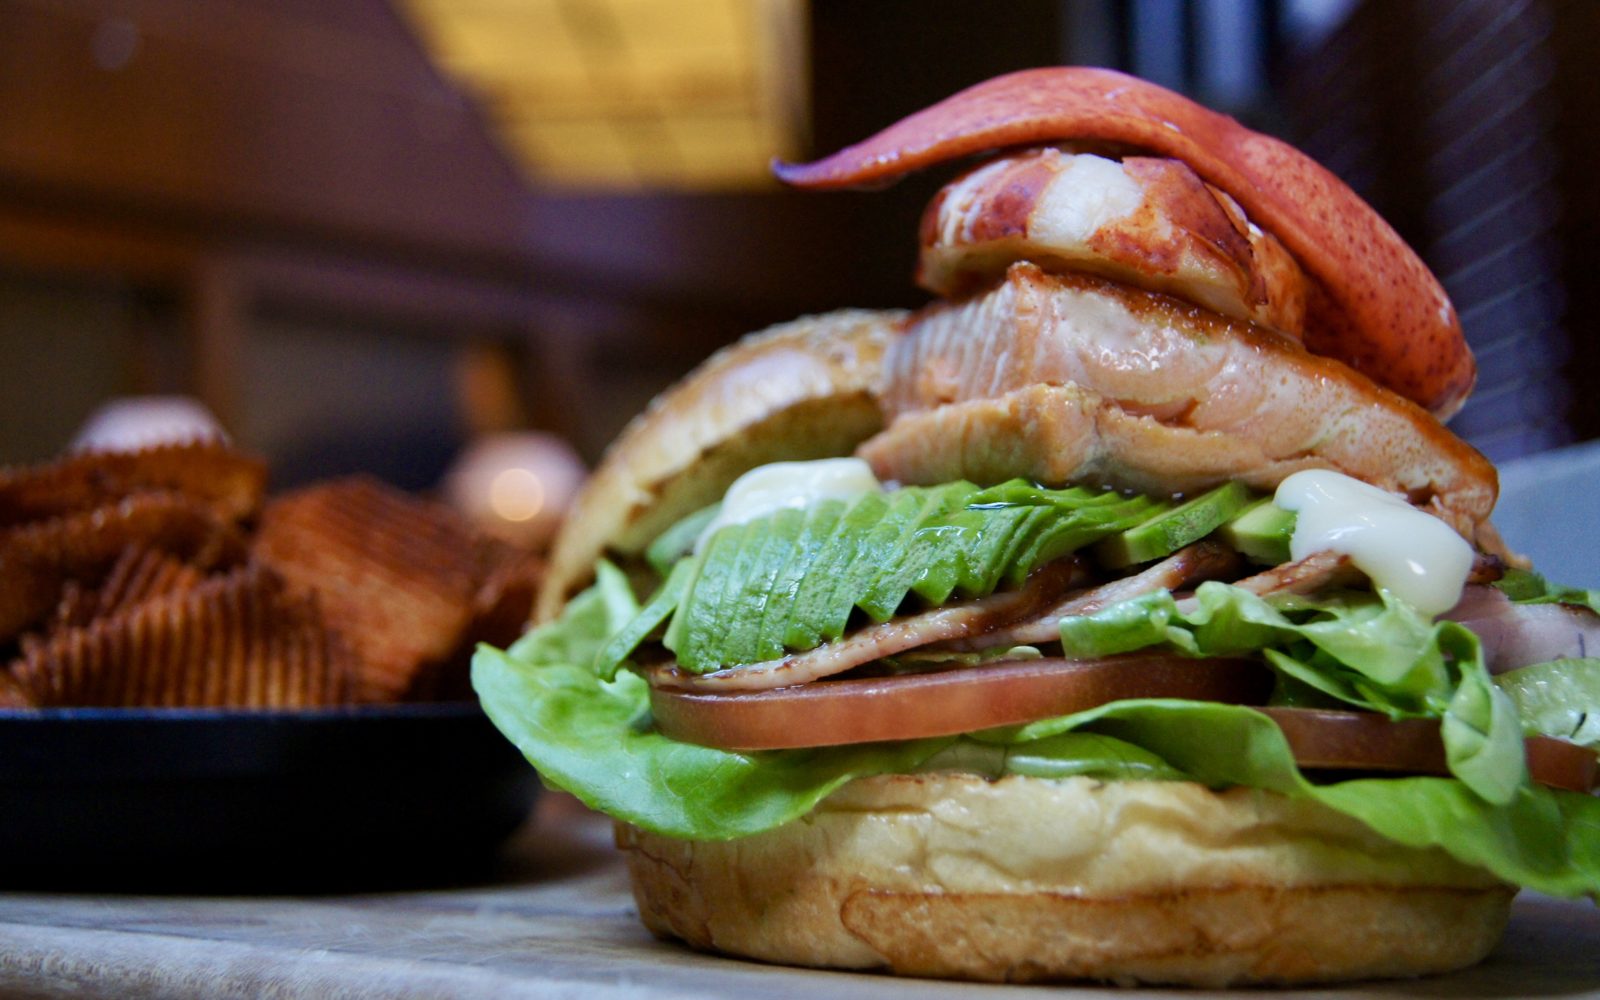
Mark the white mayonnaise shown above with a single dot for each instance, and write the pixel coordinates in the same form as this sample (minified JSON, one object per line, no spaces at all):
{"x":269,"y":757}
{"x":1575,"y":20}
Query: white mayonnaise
{"x":768,"y":489}
{"x":1413,"y":554}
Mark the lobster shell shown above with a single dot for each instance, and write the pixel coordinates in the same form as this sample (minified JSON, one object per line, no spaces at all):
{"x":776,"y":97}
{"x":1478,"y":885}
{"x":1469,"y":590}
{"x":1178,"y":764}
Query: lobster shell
{"x":1374,"y":304}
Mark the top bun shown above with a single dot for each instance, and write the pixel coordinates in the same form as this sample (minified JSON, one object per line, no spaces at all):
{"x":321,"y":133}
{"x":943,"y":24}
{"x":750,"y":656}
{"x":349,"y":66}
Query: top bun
{"x":800,"y":390}
{"x":1373,"y":305}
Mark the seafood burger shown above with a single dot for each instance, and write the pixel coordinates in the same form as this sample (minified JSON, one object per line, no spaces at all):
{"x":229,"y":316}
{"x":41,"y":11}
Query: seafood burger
{"x":1127,"y":613}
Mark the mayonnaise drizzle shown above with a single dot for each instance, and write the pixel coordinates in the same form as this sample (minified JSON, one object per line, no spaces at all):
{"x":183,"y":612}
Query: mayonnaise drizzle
{"x":1409,"y":552}
{"x":768,"y":489}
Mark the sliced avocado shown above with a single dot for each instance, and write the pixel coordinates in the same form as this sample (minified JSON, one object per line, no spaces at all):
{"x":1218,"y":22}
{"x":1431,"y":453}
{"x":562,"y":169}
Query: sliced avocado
{"x":1171,"y":530}
{"x":1261,"y":532}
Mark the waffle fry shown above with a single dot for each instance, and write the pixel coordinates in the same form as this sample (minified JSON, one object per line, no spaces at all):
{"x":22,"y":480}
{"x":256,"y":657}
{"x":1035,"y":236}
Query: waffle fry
{"x":508,"y":581}
{"x":41,"y":559}
{"x":12,"y":694}
{"x":509,"y":578}
{"x":396,"y":576}
{"x":139,"y":574}
{"x":237,"y":640}
{"x":140,"y":579}
{"x":229,"y":483}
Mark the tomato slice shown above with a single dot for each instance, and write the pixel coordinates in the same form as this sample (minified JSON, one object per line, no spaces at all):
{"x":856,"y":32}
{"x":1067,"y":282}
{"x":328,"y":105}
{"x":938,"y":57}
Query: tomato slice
{"x":867,"y":710}
{"x":1367,"y":741}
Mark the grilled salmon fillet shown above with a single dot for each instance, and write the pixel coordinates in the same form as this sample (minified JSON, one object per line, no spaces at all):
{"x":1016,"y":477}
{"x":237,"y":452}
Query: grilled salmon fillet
{"x":1069,"y":378}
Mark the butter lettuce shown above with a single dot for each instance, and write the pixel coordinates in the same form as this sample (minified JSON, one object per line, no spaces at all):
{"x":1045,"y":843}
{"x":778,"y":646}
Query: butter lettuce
{"x":1526,"y":587}
{"x":593,"y":737}
{"x":1368,"y":651}
{"x":1560,"y":698}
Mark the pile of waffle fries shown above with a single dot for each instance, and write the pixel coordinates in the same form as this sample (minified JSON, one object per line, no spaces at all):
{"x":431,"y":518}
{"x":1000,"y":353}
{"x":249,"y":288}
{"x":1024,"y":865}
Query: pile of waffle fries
{"x":168,"y":578}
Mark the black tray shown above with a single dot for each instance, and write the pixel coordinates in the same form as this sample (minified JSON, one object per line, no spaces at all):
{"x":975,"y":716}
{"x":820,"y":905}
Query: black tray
{"x":229,"y":800}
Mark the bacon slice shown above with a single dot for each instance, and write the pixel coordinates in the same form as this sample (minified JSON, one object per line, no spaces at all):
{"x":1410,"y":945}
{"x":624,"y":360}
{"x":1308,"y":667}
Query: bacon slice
{"x":878,"y":641}
{"x":1374,"y":304}
{"x":1517,"y":635}
{"x":1187,"y":566}
{"x":1322,"y":570}
{"x":1318,"y":571}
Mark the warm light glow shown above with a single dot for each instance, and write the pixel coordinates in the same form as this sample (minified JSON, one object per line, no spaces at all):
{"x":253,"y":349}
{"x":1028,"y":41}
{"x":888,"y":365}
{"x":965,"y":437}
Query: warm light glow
{"x":517,"y":485}
{"x":516,"y":495}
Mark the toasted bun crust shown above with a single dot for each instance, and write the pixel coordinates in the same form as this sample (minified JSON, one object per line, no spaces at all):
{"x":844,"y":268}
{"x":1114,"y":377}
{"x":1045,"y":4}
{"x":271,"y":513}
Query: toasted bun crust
{"x":1374,"y":304}
{"x":801,"y":390}
{"x":1026,"y":879}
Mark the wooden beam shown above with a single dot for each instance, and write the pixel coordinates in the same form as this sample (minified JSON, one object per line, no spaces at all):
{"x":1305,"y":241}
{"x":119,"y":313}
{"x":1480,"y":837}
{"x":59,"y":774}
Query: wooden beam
{"x":323,"y":119}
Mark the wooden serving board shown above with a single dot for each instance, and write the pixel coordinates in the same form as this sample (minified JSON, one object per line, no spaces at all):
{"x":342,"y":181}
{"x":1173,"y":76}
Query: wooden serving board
{"x":557,"y":922}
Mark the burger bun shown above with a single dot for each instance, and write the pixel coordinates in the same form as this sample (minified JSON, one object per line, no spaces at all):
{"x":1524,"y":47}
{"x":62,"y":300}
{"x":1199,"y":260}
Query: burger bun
{"x":1026,"y":879}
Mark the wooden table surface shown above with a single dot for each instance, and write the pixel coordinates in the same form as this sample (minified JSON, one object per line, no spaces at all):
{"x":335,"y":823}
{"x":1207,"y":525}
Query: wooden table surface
{"x":556,"y":922}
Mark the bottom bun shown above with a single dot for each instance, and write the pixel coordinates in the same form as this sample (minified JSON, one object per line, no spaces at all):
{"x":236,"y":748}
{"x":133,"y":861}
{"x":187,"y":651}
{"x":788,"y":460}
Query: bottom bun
{"x":1030,"y":879}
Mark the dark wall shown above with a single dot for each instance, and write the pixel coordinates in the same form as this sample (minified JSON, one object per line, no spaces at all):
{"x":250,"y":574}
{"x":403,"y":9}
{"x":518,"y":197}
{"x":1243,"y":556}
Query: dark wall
{"x":1469,"y":124}
{"x":873,"y":64}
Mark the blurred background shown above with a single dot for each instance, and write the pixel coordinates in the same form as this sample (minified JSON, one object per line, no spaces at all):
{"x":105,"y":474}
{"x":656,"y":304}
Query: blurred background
{"x":379,"y":235}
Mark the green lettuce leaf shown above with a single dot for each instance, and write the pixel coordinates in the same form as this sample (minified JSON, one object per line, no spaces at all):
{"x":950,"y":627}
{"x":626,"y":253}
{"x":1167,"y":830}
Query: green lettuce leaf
{"x":1541,"y":838}
{"x":1526,"y":587}
{"x":1064,"y":755}
{"x":1560,"y":698}
{"x":593,"y":737}
{"x":1370,"y":651}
